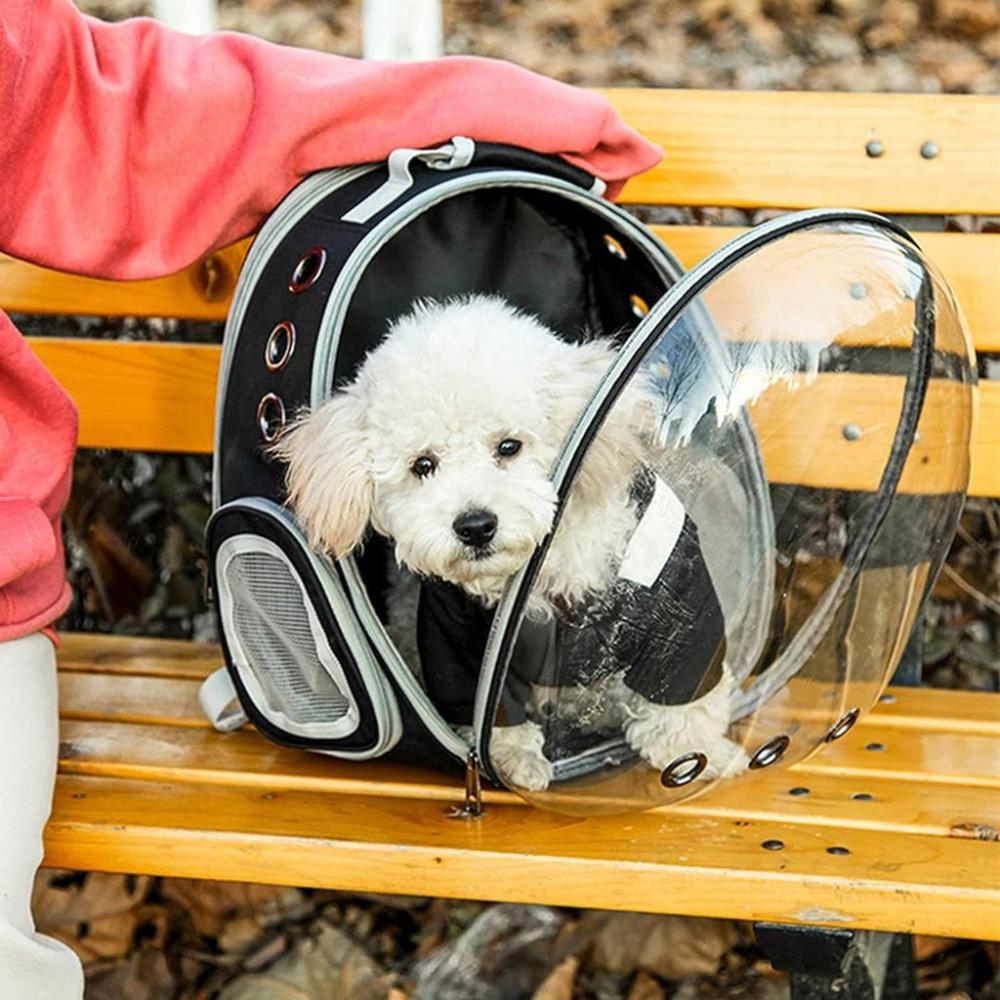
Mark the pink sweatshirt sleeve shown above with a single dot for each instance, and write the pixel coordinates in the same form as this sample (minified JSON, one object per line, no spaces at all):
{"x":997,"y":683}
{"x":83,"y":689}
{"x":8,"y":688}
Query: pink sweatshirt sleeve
{"x":128,"y":150}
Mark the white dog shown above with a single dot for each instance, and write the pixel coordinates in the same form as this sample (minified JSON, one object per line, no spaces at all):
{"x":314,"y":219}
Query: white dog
{"x":444,"y":444}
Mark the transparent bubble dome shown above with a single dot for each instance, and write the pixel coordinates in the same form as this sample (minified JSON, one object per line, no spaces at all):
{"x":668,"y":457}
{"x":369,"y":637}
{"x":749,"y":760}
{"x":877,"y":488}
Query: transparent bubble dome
{"x":764,"y":487}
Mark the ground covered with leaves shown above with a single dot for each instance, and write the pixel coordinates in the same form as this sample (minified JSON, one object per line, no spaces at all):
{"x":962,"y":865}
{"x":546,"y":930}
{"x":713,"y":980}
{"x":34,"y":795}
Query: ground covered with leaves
{"x":134,"y":542}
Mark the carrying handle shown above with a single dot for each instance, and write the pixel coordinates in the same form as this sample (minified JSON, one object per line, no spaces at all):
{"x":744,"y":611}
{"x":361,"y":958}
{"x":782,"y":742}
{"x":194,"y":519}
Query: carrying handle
{"x":452,"y":156}
{"x":462,"y":152}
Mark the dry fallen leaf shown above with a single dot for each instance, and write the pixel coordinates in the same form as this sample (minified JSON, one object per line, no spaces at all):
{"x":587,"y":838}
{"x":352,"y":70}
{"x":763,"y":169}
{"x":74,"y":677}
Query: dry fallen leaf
{"x":669,"y":947}
{"x":558,"y":984}
{"x":645,"y":987}
{"x":926,"y":947}
{"x":213,"y":906}
{"x":95,"y":913}
{"x":325,"y":964}
{"x":144,"y":975}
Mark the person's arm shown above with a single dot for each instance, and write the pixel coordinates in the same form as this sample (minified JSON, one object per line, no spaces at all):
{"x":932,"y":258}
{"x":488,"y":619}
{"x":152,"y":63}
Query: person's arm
{"x":128,"y":150}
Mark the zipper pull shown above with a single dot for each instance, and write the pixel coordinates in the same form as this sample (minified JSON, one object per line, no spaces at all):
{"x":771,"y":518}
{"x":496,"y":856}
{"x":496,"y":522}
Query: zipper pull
{"x":473,"y":808}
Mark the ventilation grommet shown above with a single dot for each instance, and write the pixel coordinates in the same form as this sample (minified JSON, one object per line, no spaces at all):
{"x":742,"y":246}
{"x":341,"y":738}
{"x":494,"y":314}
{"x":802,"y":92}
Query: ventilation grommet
{"x":279,"y":347}
{"x":639,"y":306}
{"x":270,"y":417}
{"x":308,"y":269}
{"x":615,"y":248}
{"x":770,"y":753}
{"x":843,"y":725}
{"x":683,"y":770}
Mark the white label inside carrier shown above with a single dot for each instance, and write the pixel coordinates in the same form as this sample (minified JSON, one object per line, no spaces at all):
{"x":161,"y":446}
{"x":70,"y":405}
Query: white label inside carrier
{"x":654,"y":538}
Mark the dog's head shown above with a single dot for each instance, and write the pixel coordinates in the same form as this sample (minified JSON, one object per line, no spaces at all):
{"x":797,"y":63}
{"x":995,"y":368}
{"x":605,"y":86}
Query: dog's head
{"x":445,"y":441}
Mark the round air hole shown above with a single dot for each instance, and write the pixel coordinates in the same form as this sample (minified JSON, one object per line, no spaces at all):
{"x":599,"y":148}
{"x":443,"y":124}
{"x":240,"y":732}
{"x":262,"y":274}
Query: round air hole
{"x":279,"y":347}
{"x":770,"y":753}
{"x":798,"y":791}
{"x":308,"y":269}
{"x":843,"y":725}
{"x":773,"y":845}
{"x":683,"y":770}
{"x":838,"y":850}
{"x":639,"y":306}
{"x":615,"y":248}
{"x":875,"y":747}
{"x":863,"y":797}
{"x":270,"y":417}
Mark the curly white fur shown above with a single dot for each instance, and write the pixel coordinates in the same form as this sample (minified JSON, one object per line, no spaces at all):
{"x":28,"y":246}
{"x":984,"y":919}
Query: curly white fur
{"x":450,"y":382}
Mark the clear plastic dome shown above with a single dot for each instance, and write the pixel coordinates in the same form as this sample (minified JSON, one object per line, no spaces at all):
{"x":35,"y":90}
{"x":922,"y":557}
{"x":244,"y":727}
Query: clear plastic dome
{"x":776,"y":463}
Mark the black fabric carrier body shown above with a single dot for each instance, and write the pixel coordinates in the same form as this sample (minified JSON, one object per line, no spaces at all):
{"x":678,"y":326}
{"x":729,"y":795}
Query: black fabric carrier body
{"x":308,"y":654}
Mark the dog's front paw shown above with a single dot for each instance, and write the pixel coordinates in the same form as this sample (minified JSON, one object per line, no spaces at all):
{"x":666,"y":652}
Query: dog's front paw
{"x":662,"y":733}
{"x":518,"y":757}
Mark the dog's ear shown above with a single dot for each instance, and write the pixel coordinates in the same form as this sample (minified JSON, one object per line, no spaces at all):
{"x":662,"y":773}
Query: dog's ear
{"x":328,"y":477}
{"x":615,"y":454}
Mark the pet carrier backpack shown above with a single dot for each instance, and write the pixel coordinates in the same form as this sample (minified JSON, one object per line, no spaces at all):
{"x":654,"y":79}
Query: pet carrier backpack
{"x":800,"y":573}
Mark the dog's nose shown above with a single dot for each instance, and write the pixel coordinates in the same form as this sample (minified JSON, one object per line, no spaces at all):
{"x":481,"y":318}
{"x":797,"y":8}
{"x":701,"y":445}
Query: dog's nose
{"x":476,"y":527}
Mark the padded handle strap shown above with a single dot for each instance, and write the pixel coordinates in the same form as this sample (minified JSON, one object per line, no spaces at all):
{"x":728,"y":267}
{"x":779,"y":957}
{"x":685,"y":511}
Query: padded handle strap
{"x":454,"y":155}
{"x":219,"y":702}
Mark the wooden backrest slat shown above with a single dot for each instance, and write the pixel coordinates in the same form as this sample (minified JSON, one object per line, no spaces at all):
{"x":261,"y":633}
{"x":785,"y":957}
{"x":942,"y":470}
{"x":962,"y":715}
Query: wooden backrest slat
{"x":161,"y":397}
{"x":799,"y":150}
{"x":970,"y":262}
{"x":784,"y":150}
{"x":202,"y":291}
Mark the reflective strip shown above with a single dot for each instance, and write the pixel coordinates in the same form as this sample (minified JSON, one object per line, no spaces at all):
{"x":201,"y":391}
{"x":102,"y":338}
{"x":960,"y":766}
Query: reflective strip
{"x":655,"y":537}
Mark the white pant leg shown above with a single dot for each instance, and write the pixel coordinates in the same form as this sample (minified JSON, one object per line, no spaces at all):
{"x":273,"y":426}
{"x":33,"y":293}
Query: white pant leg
{"x":32,"y":966}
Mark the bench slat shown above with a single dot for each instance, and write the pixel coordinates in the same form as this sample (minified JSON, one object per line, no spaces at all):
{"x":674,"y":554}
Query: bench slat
{"x":971,"y":263}
{"x":797,"y":150}
{"x":157,"y":698}
{"x":677,"y":863}
{"x":902,"y":801}
{"x":167,"y":753}
{"x":162,"y":397}
{"x":136,"y":656}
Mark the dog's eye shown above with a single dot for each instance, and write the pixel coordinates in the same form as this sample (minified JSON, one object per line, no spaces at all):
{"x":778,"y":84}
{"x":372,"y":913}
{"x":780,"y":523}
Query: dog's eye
{"x":423,"y":466}
{"x":508,"y":447}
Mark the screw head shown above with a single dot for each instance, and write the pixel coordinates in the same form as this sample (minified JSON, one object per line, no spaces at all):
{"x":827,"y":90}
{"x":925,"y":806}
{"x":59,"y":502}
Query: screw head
{"x":773,"y":845}
{"x":929,"y":150}
{"x":859,"y":290}
{"x":838,"y":850}
{"x":874,"y":148}
{"x":851,"y":432}
{"x":798,"y":791}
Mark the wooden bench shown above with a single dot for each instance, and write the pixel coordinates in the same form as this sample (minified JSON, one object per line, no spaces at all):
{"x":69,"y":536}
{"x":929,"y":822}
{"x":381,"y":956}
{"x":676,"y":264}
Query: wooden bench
{"x":146,"y":786}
